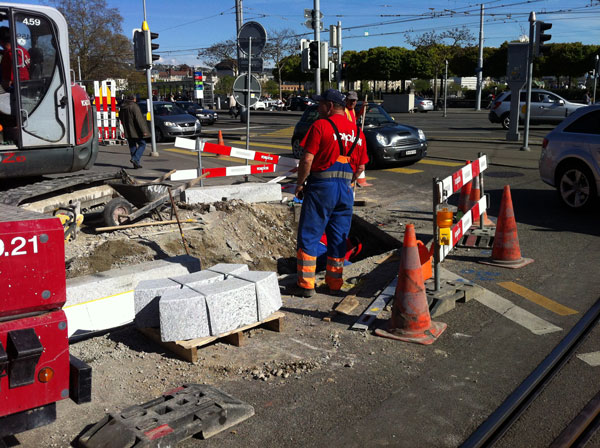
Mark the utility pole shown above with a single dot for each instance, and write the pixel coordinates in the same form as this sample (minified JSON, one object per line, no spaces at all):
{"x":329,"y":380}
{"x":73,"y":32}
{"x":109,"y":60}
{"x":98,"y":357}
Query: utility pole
{"x":317,"y":24}
{"x":445,"y":87}
{"x":480,"y":62}
{"x":153,"y":152}
{"x":596,"y":67}
{"x":525,"y":146}
{"x":339,"y":58}
{"x":79,"y":67}
{"x":239,"y":20}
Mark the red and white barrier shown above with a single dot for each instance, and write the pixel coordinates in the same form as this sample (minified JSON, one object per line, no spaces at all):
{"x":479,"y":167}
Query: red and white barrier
{"x":452,"y":184}
{"x":274,"y":162}
{"x":106,"y":109}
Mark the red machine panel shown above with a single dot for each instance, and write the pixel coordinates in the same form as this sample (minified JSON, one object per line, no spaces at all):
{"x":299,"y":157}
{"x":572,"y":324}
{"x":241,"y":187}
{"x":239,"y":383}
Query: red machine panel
{"x":32,"y":262}
{"x":33,"y":349}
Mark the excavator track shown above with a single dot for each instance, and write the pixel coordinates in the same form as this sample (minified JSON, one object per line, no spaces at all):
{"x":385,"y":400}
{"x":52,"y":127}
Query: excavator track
{"x":60,"y":186}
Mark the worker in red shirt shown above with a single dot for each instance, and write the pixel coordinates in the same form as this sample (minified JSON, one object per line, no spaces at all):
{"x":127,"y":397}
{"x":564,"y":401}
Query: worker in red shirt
{"x":351,"y":114}
{"x":23,"y":59}
{"x":334,"y":156}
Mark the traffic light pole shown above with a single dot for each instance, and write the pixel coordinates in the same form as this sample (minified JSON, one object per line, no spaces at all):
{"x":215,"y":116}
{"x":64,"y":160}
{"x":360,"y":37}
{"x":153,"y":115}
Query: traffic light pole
{"x":339,"y":56}
{"x":525,"y":146}
{"x":480,"y":62}
{"x":317,"y":24}
{"x":153,"y":152}
{"x":596,"y":67}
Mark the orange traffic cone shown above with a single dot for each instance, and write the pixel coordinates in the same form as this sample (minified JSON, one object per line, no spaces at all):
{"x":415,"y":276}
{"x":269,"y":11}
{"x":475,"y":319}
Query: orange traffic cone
{"x":410,"y":321}
{"x":465,"y":193}
{"x":221,"y":141}
{"x":474,"y":197}
{"x":362,"y":180}
{"x":506,"y":252}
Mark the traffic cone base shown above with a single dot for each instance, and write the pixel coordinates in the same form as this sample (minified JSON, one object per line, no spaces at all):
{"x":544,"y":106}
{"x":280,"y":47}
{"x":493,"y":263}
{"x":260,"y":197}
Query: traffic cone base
{"x":362,"y":181}
{"x":506,"y":252}
{"x":510,"y":264}
{"x":426,"y":337}
{"x":410,"y":320}
{"x":221,"y":141}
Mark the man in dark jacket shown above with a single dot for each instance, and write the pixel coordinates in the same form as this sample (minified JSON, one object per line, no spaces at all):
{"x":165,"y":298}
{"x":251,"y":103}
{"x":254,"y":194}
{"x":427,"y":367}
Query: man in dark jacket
{"x":136,"y":129}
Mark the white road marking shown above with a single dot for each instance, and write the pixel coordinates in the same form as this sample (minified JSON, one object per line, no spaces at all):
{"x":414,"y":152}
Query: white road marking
{"x":593,"y":358}
{"x":506,"y":308}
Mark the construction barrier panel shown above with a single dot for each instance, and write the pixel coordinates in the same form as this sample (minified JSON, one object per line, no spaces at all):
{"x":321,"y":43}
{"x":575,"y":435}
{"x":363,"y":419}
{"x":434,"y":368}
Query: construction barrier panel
{"x":274,"y":162}
{"x":442,"y":190}
{"x":106,"y":110}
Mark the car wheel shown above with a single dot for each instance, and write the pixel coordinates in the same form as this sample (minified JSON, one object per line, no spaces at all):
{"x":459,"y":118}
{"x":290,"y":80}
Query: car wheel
{"x":159,"y":135}
{"x":576,"y":186}
{"x":373,"y":161}
{"x":115,"y":211}
{"x":297,"y":150}
{"x":505,"y":120}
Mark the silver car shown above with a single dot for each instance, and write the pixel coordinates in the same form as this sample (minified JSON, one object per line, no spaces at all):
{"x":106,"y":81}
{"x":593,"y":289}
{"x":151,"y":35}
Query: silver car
{"x":423,"y":104}
{"x":546,"y":108}
{"x":171,"y":121}
{"x":570,"y":158}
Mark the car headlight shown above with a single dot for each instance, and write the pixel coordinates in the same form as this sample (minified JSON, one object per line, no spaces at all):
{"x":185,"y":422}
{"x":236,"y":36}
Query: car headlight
{"x":381,"y":139}
{"x":421,"y":134}
{"x":170,"y":124}
{"x":197,"y":122}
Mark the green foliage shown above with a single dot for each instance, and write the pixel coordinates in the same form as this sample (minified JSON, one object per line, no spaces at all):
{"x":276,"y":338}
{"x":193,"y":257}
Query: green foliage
{"x":225,"y":85}
{"x":270,"y":87}
{"x":291,"y":70}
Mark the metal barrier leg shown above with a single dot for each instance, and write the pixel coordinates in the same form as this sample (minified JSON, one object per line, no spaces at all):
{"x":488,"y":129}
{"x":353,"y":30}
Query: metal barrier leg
{"x":200,"y":148}
{"x":435,"y":243}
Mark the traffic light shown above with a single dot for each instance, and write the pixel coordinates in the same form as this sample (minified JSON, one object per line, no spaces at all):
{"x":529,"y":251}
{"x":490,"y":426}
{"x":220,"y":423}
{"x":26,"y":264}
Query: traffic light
{"x":140,"y":55}
{"x":152,"y":46}
{"x":540,"y":37}
{"x":313,"y":54}
{"x":344,"y":70}
{"x":305,"y":65}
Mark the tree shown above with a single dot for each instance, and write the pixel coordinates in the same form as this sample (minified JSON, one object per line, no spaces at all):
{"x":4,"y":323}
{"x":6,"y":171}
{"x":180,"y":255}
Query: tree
{"x":221,"y":51}
{"x":291,"y":70}
{"x":436,"y":48}
{"x":225,"y":85}
{"x":281,"y":43}
{"x":96,"y":40}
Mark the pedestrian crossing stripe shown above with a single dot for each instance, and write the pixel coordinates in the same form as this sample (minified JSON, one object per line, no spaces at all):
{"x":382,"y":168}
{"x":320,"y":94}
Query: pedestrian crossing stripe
{"x":403,"y":170}
{"x":281,"y":133}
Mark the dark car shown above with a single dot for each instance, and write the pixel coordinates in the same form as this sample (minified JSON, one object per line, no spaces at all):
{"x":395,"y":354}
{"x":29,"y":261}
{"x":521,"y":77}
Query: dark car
{"x":387,"y":141}
{"x":206,"y":116}
{"x":172,"y":121}
{"x":300,"y":103}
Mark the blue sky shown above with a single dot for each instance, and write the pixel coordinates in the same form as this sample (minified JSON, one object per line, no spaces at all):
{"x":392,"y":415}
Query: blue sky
{"x":186,"y":25}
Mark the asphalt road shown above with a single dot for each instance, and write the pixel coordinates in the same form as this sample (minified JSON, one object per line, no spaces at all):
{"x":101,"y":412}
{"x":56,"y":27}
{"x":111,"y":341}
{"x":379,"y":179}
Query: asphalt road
{"x":491,"y":347}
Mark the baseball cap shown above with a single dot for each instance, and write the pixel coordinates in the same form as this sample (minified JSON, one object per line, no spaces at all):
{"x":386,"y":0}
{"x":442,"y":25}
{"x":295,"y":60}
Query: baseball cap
{"x":332,"y":95}
{"x":352,"y":95}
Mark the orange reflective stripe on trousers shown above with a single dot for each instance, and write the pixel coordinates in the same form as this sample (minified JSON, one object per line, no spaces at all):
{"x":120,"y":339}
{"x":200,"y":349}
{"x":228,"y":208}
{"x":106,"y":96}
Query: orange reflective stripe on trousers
{"x":306,"y":266}
{"x":334,"y":273}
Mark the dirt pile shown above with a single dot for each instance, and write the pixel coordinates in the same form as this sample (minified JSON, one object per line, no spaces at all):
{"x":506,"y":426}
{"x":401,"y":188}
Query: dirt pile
{"x":260,"y":235}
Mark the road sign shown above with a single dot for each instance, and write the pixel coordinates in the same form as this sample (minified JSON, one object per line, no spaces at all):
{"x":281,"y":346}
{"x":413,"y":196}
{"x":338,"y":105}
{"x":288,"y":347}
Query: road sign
{"x":308,"y":14}
{"x":240,"y":89}
{"x":257,"y":65}
{"x":258,"y":34}
{"x":311,"y":25}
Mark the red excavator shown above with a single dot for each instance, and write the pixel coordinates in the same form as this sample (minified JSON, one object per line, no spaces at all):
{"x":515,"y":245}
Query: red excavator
{"x":48,"y":127}
{"x":48,"y":122}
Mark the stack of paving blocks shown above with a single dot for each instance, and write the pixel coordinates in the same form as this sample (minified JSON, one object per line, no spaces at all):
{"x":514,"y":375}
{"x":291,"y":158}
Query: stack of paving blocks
{"x":206,"y":303}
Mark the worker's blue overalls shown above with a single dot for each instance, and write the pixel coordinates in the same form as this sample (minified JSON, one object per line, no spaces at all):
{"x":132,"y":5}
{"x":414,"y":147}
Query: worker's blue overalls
{"x":327,"y":207}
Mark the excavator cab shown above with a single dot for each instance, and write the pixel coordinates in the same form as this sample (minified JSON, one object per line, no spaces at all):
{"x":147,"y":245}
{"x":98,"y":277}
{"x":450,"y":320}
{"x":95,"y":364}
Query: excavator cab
{"x":48,"y":122}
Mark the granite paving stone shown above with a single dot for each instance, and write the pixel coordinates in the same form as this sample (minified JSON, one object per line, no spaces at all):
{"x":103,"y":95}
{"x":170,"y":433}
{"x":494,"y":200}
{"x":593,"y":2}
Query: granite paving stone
{"x":199,"y":278}
{"x":146,"y":296}
{"x":229,"y":269}
{"x":183,"y":315}
{"x":268,"y":296}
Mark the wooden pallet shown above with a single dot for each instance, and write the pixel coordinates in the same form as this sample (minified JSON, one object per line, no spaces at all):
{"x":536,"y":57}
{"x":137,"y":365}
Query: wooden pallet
{"x":188,"y":350}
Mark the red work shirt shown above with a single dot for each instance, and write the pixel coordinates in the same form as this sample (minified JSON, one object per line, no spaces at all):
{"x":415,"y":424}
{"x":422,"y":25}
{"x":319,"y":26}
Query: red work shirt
{"x":7,"y":62}
{"x":321,"y":142}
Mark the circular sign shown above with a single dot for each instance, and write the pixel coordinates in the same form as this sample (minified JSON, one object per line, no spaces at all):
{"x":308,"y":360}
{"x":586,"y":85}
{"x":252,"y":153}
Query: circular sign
{"x":240,"y":90}
{"x":256,"y":32}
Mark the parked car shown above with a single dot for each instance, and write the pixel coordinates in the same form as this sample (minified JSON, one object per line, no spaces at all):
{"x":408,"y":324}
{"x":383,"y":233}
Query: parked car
{"x":423,"y":104}
{"x":570,"y":158}
{"x":546,"y":108}
{"x":259,"y":105}
{"x":206,"y":116}
{"x":300,"y":103}
{"x":387,"y":141}
{"x":273,"y":104}
{"x":172,"y":121}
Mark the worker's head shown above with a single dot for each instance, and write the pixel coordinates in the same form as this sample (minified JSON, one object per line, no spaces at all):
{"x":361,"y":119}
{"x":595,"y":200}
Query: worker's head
{"x":351,"y":99}
{"x":130,"y":96}
{"x":330,"y":102}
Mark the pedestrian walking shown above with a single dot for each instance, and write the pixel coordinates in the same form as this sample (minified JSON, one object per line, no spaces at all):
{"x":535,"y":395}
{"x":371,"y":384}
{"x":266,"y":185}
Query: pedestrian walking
{"x":334,"y":156}
{"x":135,"y":128}
{"x":232,"y":106}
